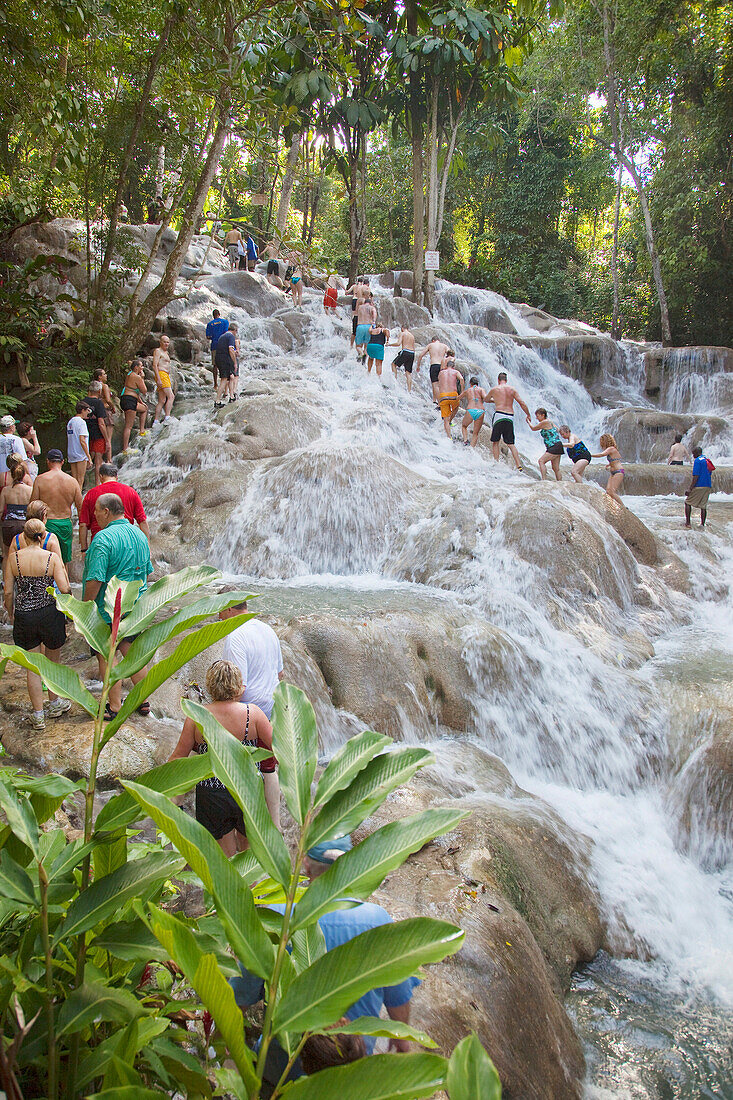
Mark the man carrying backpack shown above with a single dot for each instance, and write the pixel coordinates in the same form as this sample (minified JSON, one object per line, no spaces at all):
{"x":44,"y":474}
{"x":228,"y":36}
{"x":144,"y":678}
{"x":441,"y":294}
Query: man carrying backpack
{"x":699,"y":491}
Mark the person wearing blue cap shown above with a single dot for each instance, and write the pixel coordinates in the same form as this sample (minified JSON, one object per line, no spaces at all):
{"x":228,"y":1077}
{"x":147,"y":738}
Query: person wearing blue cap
{"x":338,"y":927}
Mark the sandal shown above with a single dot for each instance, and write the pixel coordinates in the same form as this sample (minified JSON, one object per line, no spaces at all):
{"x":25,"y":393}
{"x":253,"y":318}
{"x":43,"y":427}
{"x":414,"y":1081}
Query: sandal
{"x":109,"y":714}
{"x":144,"y":709}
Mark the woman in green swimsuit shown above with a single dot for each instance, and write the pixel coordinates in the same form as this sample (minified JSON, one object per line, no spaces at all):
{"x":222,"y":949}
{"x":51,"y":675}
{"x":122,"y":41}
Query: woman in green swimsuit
{"x":553,"y":443}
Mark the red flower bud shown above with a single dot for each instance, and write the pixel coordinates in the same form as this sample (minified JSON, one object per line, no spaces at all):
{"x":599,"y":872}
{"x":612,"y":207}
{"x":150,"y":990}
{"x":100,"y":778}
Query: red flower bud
{"x":117,"y":614}
{"x":208,"y":1024}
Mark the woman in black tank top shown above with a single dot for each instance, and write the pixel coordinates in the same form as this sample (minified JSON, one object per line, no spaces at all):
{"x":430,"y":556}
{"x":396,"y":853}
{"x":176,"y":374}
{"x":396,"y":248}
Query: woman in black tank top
{"x":216,"y":808}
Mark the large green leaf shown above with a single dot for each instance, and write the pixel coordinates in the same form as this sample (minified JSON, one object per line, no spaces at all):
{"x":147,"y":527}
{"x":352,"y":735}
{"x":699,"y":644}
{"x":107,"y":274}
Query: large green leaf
{"x":308,"y":945}
{"x":147,"y":644}
{"x":59,"y":678}
{"x":358,"y":873}
{"x":94,"y":1062}
{"x":366,"y":793}
{"x":471,"y":1073}
{"x":379,"y":1028}
{"x":15,"y":882}
{"x":108,"y":895}
{"x":295,"y":743}
{"x":130,"y":590}
{"x":386,"y":955}
{"x":86,"y":618}
{"x":130,"y":940}
{"x":20,"y":817}
{"x":110,"y":852}
{"x":235,"y":904}
{"x":381,"y":1077}
{"x":170,"y":587}
{"x":233,"y":766}
{"x":70,"y":858}
{"x":171,"y":779}
{"x":46,"y":793}
{"x":202,"y":971}
{"x":94,"y":1001}
{"x":350,"y":759}
{"x":185,"y":651}
{"x":127,"y":1092}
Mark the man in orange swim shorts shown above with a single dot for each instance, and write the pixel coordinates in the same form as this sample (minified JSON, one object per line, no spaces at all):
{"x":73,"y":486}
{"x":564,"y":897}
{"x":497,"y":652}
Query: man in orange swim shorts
{"x":450,"y":388}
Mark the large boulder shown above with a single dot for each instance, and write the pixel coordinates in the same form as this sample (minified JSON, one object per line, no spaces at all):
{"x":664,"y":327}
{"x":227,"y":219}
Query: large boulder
{"x":665,"y":368}
{"x":645,"y":435}
{"x":249,"y":292}
{"x":516,"y":881}
{"x":401,"y":311}
{"x":701,"y":794}
{"x":266,"y":426}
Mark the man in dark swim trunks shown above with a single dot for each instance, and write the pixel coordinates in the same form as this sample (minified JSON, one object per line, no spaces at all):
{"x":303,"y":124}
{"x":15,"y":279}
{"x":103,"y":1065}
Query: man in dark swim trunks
{"x":502,"y":424}
{"x":436,"y":352}
{"x":405,"y":358}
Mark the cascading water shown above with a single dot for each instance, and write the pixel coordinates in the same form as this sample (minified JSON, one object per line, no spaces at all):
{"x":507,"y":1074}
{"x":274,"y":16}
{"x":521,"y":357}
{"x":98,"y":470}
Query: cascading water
{"x":375,"y":509}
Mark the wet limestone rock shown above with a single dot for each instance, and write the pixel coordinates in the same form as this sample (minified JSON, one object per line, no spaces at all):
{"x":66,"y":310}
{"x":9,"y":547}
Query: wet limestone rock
{"x":271,"y":426}
{"x":576,"y":556}
{"x":657,"y":479}
{"x":66,"y":743}
{"x":701,"y":795}
{"x":514,"y":879}
{"x":645,"y":435}
{"x":248,"y":292}
{"x":394,"y":312}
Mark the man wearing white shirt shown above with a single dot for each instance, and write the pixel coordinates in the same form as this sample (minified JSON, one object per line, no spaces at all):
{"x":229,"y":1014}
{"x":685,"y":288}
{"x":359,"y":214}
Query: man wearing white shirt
{"x":254,"y":648}
{"x":9,"y":443}
{"x":77,"y":434}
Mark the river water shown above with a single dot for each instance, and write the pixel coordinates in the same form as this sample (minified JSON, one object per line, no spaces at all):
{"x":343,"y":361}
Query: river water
{"x":375,"y":510}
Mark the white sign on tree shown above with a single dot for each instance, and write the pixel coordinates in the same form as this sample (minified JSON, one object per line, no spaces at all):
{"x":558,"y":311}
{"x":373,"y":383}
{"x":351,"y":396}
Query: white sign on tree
{"x":432,"y":261}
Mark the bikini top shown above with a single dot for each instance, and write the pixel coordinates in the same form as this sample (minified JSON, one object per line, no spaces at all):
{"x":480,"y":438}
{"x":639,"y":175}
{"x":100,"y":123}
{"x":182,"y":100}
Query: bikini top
{"x":130,"y":389}
{"x":44,"y":544}
{"x":200,"y":747}
{"x":30,"y":592}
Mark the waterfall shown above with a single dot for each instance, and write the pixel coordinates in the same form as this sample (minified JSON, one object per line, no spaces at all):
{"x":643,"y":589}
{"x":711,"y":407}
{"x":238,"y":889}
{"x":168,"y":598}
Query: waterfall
{"x":368,"y":510}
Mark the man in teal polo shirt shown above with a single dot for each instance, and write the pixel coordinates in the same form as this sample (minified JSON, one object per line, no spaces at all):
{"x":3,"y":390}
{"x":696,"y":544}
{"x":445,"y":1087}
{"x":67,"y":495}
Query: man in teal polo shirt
{"x":117,"y":550}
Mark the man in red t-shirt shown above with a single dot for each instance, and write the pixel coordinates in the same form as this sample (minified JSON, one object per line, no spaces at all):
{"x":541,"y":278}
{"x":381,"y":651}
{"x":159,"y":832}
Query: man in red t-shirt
{"x":134,"y":511}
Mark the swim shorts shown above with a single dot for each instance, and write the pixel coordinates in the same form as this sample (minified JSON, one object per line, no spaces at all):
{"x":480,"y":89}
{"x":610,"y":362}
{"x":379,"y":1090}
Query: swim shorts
{"x":128,"y":402}
{"x":405,"y":359}
{"x":555,"y":449}
{"x":233,"y":251}
{"x":165,"y":380}
{"x":330,"y":298}
{"x":434,"y":371}
{"x":273,"y":267}
{"x":375,"y":351}
{"x":448,"y":405}
{"x":698,"y":497}
{"x":502,"y":427}
{"x":217,"y":811}
{"x":45,"y":626}
{"x":354,"y":324}
{"x":362,"y":334}
{"x":63,"y":531}
{"x":97,"y":446}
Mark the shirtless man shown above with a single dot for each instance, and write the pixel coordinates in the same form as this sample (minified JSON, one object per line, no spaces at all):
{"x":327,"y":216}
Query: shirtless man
{"x":475,"y":410}
{"x":405,"y":358}
{"x":366,"y":316}
{"x":356,"y":291}
{"x":436,"y":352}
{"x":161,"y":369}
{"x":58,"y":491}
{"x":678,"y":453}
{"x":231,"y":242}
{"x":450,"y":388}
{"x":502,"y":424}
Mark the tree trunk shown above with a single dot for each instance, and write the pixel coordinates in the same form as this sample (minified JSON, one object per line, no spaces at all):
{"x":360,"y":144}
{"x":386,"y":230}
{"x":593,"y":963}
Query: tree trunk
{"x":432,"y":205}
{"x":141,"y":324}
{"x":416,"y":137}
{"x":287,"y":189}
{"x":153,"y":66}
{"x":615,"y":120}
{"x":615,"y":334}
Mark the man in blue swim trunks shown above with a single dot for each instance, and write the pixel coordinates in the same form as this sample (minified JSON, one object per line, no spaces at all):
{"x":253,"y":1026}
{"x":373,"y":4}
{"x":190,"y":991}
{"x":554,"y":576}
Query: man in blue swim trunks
{"x":475,"y":398}
{"x":214,"y":330}
{"x":366,"y":316}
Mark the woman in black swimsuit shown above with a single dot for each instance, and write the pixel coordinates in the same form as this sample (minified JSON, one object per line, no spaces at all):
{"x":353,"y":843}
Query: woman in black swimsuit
{"x":33,"y":612}
{"x":216,"y":809}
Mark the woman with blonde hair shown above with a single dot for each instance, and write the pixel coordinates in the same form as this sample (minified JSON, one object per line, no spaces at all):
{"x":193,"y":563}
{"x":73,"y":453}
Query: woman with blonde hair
{"x":615,"y":466}
{"x":216,"y":808}
{"x":33,"y":612}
